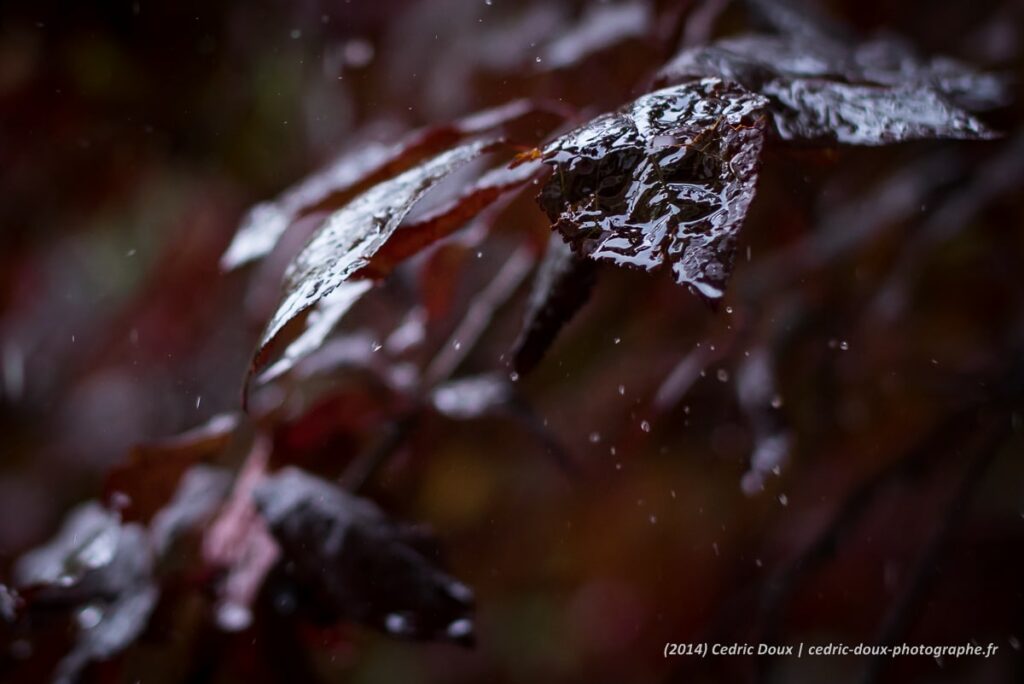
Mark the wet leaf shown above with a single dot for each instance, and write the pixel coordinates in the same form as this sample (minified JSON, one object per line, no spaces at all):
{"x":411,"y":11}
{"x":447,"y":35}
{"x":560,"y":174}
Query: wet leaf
{"x":99,"y":571}
{"x":146,"y":481}
{"x":200,"y":493}
{"x":600,"y":28}
{"x":360,"y":565}
{"x":824,"y":111}
{"x":368,"y":164}
{"x":875,"y":93}
{"x":346,"y":243}
{"x":412,"y":236}
{"x":664,"y":182}
{"x":561,"y":287}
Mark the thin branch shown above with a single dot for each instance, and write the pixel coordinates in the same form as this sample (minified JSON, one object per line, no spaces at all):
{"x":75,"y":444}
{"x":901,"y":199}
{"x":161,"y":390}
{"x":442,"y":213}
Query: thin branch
{"x":899,"y":617}
{"x":926,"y":453}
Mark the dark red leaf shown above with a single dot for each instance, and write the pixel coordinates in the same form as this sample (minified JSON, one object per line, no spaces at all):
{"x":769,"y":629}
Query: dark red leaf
{"x":824,"y":92}
{"x":664,"y":182}
{"x":356,"y":171}
{"x":144,"y":484}
{"x":361,"y":565}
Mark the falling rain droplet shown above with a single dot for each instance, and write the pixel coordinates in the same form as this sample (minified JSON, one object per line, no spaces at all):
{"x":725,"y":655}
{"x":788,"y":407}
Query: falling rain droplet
{"x":722,"y":375}
{"x":776,"y":402}
{"x":595,"y":437}
{"x":622,"y":390}
{"x":844,"y":345}
{"x":233,"y":617}
{"x":645,"y":426}
{"x":89,"y":617}
{"x":396,"y":623}
{"x":783,"y":499}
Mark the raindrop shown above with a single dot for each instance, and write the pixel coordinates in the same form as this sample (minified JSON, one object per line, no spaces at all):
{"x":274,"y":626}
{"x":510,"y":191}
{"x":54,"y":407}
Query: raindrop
{"x":357,"y":53}
{"x":783,"y":499}
{"x":654,"y":519}
{"x":513,"y":376}
{"x":844,"y":345}
{"x":728,"y":309}
{"x":722,"y":375}
{"x":645,"y":426}
{"x":396,"y":623}
{"x":463,"y":627}
{"x":233,"y":617}
{"x":120,"y":501}
{"x":595,"y":437}
{"x":622,"y":390}
{"x":617,"y":340}
{"x":199,"y":400}
{"x":776,"y":402}
{"x":538,"y":59}
{"x":457,"y":345}
{"x":89,"y":617}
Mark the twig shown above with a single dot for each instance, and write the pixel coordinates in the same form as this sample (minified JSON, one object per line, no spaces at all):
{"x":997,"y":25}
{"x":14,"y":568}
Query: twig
{"x":366,"y":464}
{"x":469,"y":331}
{"x":899,"y":616}
{"x":783,"y":585}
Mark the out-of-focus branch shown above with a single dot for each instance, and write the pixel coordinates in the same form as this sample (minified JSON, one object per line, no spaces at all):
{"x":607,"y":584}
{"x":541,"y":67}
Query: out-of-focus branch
{"x":986,"y":448}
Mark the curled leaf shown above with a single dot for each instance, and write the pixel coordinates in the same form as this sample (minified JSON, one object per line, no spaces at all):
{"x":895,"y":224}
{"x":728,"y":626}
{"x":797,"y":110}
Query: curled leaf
{"x":819,"y":110}
{"x":355,"y":171}
{"x":664,"y":182}
{"x":347,"y":242}
{"x":360,"y":565}
{"x":874,"y":93}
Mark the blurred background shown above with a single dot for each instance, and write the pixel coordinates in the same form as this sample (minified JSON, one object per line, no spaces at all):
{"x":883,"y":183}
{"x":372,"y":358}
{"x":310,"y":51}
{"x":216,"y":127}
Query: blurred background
{"x":877,"y":301}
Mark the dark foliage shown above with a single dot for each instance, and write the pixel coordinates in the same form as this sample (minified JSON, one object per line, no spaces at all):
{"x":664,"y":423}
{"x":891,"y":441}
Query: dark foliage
{"x":392,"y":288}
